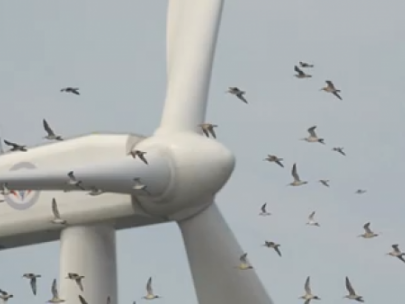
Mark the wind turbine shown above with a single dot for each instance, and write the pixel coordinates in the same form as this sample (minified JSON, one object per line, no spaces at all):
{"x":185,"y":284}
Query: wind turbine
{"x":185,"y":171}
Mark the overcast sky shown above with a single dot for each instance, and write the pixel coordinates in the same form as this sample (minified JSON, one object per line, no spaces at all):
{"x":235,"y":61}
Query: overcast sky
{"x":115,"y":52}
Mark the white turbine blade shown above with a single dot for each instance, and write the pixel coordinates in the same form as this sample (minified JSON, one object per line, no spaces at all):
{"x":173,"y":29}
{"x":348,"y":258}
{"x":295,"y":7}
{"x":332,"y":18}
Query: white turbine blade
{"x":174,"y":15}
{"x":213,"y":254}
{"x":190,"y":74}
{"x":114,"y":176}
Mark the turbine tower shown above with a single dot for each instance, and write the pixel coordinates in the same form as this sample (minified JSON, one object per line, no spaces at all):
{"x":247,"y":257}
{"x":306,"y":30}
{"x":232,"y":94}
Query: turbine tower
{"x":185,"y":170}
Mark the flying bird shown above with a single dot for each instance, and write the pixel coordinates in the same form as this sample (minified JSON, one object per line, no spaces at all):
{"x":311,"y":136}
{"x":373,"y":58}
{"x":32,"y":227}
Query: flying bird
{"x":324,"y":182}
{"x":397,"y":253}
{"x":308,"y":296}
{"x":360,"y":191}
{"x":82,"y":300}
{"x":149,"y":291}
{"x":56,"y":215}
{"x":5,"y":296}
{"x":74,"y":182}
{"x":33,"y":281}
{"x":306,"y":65}
{"x":208,"y":129}
{"x":139,"y":154}
{"x":352,"y":294}
{"x":300,"y":73}
{"x":51,"y":135}
{"x":263,"y":210}
{"x":312,"y":138}
{"x":368,"y":234}
{"x":95,"y":191}
{"x":77,"y":278}
{"x":15,"y":147}
{"x":244,"y":264}
{"x":55,"y":294}
{"x":311,"y":220}
{"x":273,"y":245}
{"x":339,"y":150}
{"x":330,"y":88}
{"x":297,"y":181}
{"x":274,"y":159}
{"x":238,"y":93}
{"x":71,"y":90}
{"x":138,"y":185}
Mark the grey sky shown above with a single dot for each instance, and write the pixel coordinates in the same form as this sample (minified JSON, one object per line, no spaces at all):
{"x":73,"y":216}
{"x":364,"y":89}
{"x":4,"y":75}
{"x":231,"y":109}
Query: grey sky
{"x":115,"y":52}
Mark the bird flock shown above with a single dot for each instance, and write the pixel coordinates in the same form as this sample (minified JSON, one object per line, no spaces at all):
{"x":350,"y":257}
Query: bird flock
{"x":244,"y":264}
{"x":208,"y":129}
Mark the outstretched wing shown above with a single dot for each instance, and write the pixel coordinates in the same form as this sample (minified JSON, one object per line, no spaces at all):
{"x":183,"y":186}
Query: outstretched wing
{"x":55,"y":210}
{"x":367,"y":227}
{"x":54,"y":289}
{"x":294,"y":172}
{"x":82,"y":300}
{"x":311,"y":131}
{"x":9,"y":143}
{"x":396,"y":248}
{"x":71,"y":175}
{"x":243,"y":258}
{"x":33,"y":283}
{"x":149,"y":286}
{"x":263,"y":208}
{"x":330,"y":85}
{"x":311,"y":216}
{"x":349,"y":287}
{"x":299,"y":71}
{"x":47,"y":128}
{"x":277,"y":249}
{"x":307,"y":286}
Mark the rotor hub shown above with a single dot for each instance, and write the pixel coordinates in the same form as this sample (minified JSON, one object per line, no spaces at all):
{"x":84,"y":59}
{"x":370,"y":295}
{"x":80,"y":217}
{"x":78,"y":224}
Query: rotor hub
{"x":200,"y":167}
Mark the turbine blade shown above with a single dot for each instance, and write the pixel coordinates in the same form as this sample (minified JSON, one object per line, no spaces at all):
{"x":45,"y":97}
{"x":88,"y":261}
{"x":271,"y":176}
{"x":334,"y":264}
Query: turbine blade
{"x":190,"y":74}
{"x":213,"y":252}
{"x":115,"y":176}
{"x":173,"y":30}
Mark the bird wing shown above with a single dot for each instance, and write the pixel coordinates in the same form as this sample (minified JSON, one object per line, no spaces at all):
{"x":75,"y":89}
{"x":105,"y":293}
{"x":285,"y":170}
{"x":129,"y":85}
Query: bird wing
{"x":33,"y":283}
{"x":311,"y":131}
{"x":72,"y":176}
{"x":349,"y":287}
{"x":311,"y":216}
{"x":330,"y":84}
{"x":54,"y":289}
{"x":212,"y":131}
{"x":367,"y":227}
{"x":298,"y":70}
{"x":47,"y":127}
{"x":9,"y":143}
{"x":3,"y":292}
{"x":241,"y":97}
{"x":277,"y":249}
{"x":294,"y":172}
{"x":307,"y":286}
{"x":205,"y":132}
{"x":55,"y":210}
{"x":278,"y":162}
{"x":243,"y":257}
{"x":401,"y":257}
{"x":263,"y":208}
{"x":396,"y":248}
{"x":149,"y":286}
{"x":337,"y":95}
{"x":82,"y":300}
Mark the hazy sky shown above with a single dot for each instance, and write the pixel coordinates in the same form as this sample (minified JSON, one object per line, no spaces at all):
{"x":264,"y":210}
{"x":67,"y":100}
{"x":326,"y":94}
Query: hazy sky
{"x":115,"y":52}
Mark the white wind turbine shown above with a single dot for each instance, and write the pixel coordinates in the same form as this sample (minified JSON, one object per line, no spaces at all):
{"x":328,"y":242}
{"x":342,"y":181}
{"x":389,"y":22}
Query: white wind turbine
{"x":185,"y":172}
